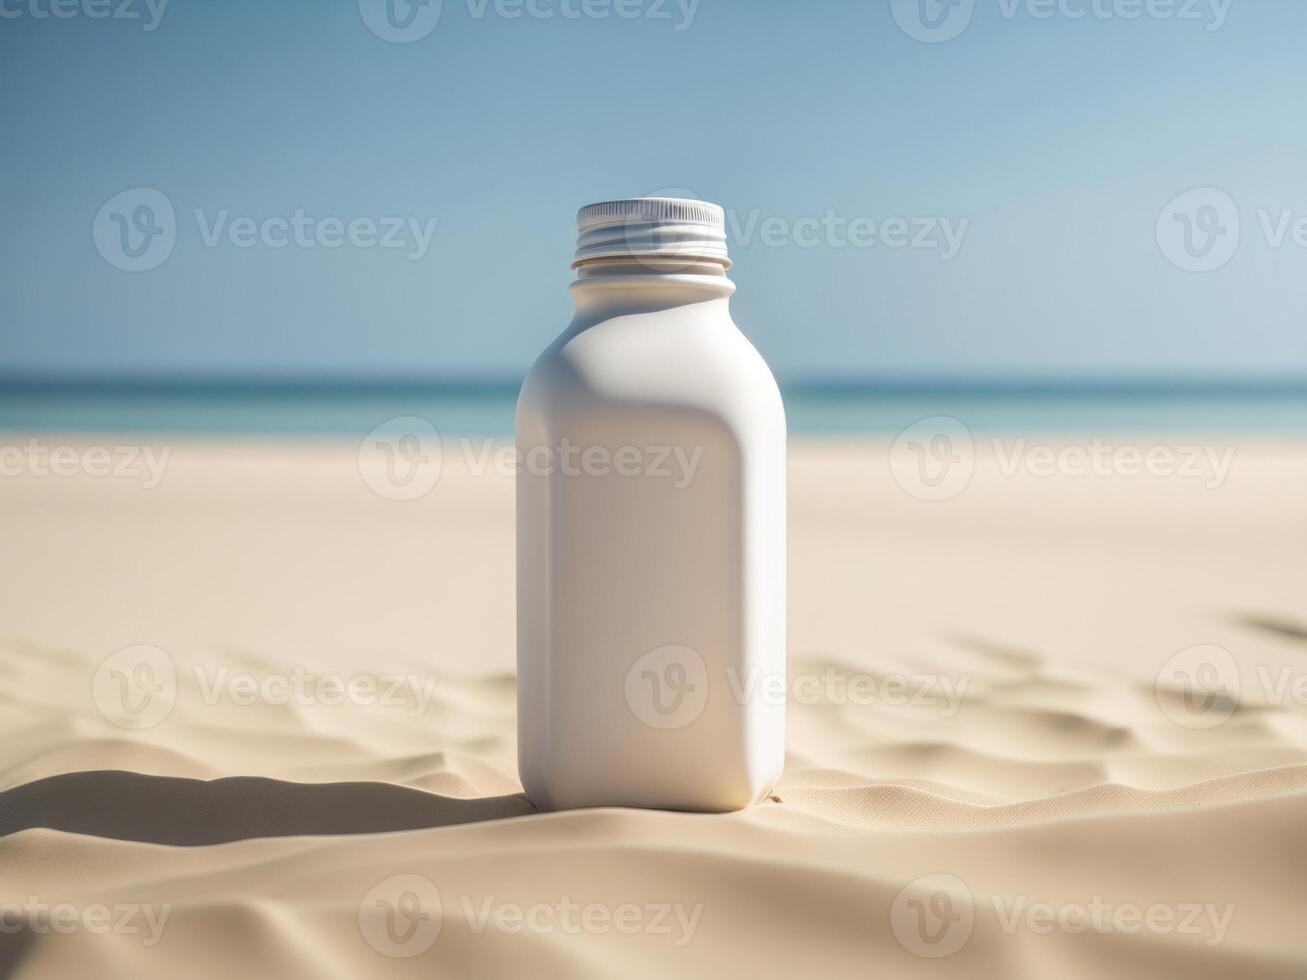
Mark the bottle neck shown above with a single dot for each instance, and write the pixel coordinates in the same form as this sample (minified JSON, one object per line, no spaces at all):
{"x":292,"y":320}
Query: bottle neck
{"x":621,"y":286}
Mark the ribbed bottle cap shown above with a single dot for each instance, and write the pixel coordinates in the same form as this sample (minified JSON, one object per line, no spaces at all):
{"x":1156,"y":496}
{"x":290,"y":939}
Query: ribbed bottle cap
{"x":662,"y":227}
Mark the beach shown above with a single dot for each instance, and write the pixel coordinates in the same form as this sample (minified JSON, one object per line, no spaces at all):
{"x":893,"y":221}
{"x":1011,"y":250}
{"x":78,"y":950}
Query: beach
{"x":1047,"y":716}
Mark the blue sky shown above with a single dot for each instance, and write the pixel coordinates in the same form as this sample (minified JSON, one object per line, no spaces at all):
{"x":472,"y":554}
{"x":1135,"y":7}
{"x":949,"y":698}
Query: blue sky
{"x":991,"y":205}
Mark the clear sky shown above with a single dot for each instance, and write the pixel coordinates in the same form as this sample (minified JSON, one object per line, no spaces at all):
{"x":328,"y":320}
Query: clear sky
{"x":1001,"y":203}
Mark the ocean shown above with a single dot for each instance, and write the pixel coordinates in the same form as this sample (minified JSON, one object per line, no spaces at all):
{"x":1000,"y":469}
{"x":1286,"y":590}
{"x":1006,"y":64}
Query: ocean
{"x":320,"y":410}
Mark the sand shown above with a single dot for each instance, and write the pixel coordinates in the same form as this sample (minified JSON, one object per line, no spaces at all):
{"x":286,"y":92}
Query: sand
{"x":993,"y":768}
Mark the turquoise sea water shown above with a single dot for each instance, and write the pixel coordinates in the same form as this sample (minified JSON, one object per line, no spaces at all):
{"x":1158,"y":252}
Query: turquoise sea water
{"x":325,"y":410}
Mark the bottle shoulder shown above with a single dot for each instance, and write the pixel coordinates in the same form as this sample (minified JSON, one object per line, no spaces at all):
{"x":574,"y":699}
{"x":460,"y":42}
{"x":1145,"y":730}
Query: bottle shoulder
{"x":692,"y":357}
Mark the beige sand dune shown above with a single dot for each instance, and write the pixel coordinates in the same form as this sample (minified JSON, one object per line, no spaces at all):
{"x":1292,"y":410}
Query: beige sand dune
{"x":992,"y":769}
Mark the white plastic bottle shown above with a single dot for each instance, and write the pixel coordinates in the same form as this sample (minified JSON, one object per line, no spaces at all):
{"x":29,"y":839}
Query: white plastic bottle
{"x":651,"y":530}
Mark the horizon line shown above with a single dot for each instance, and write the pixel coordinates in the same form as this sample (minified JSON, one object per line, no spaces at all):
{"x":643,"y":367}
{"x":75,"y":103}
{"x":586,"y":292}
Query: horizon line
{"x":502,"y":382}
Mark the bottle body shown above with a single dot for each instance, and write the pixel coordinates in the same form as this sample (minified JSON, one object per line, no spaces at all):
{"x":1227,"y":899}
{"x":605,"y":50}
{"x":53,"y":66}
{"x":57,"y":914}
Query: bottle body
{"x":650,"y":554}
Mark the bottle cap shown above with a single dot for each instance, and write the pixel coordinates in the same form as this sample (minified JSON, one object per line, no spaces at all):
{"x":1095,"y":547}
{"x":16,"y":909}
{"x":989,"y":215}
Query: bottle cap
{"x":663,"y":227}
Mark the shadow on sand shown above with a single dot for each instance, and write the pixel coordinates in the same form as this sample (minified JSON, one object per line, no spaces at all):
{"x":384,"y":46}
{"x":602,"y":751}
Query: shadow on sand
{"x":172,"y":810}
